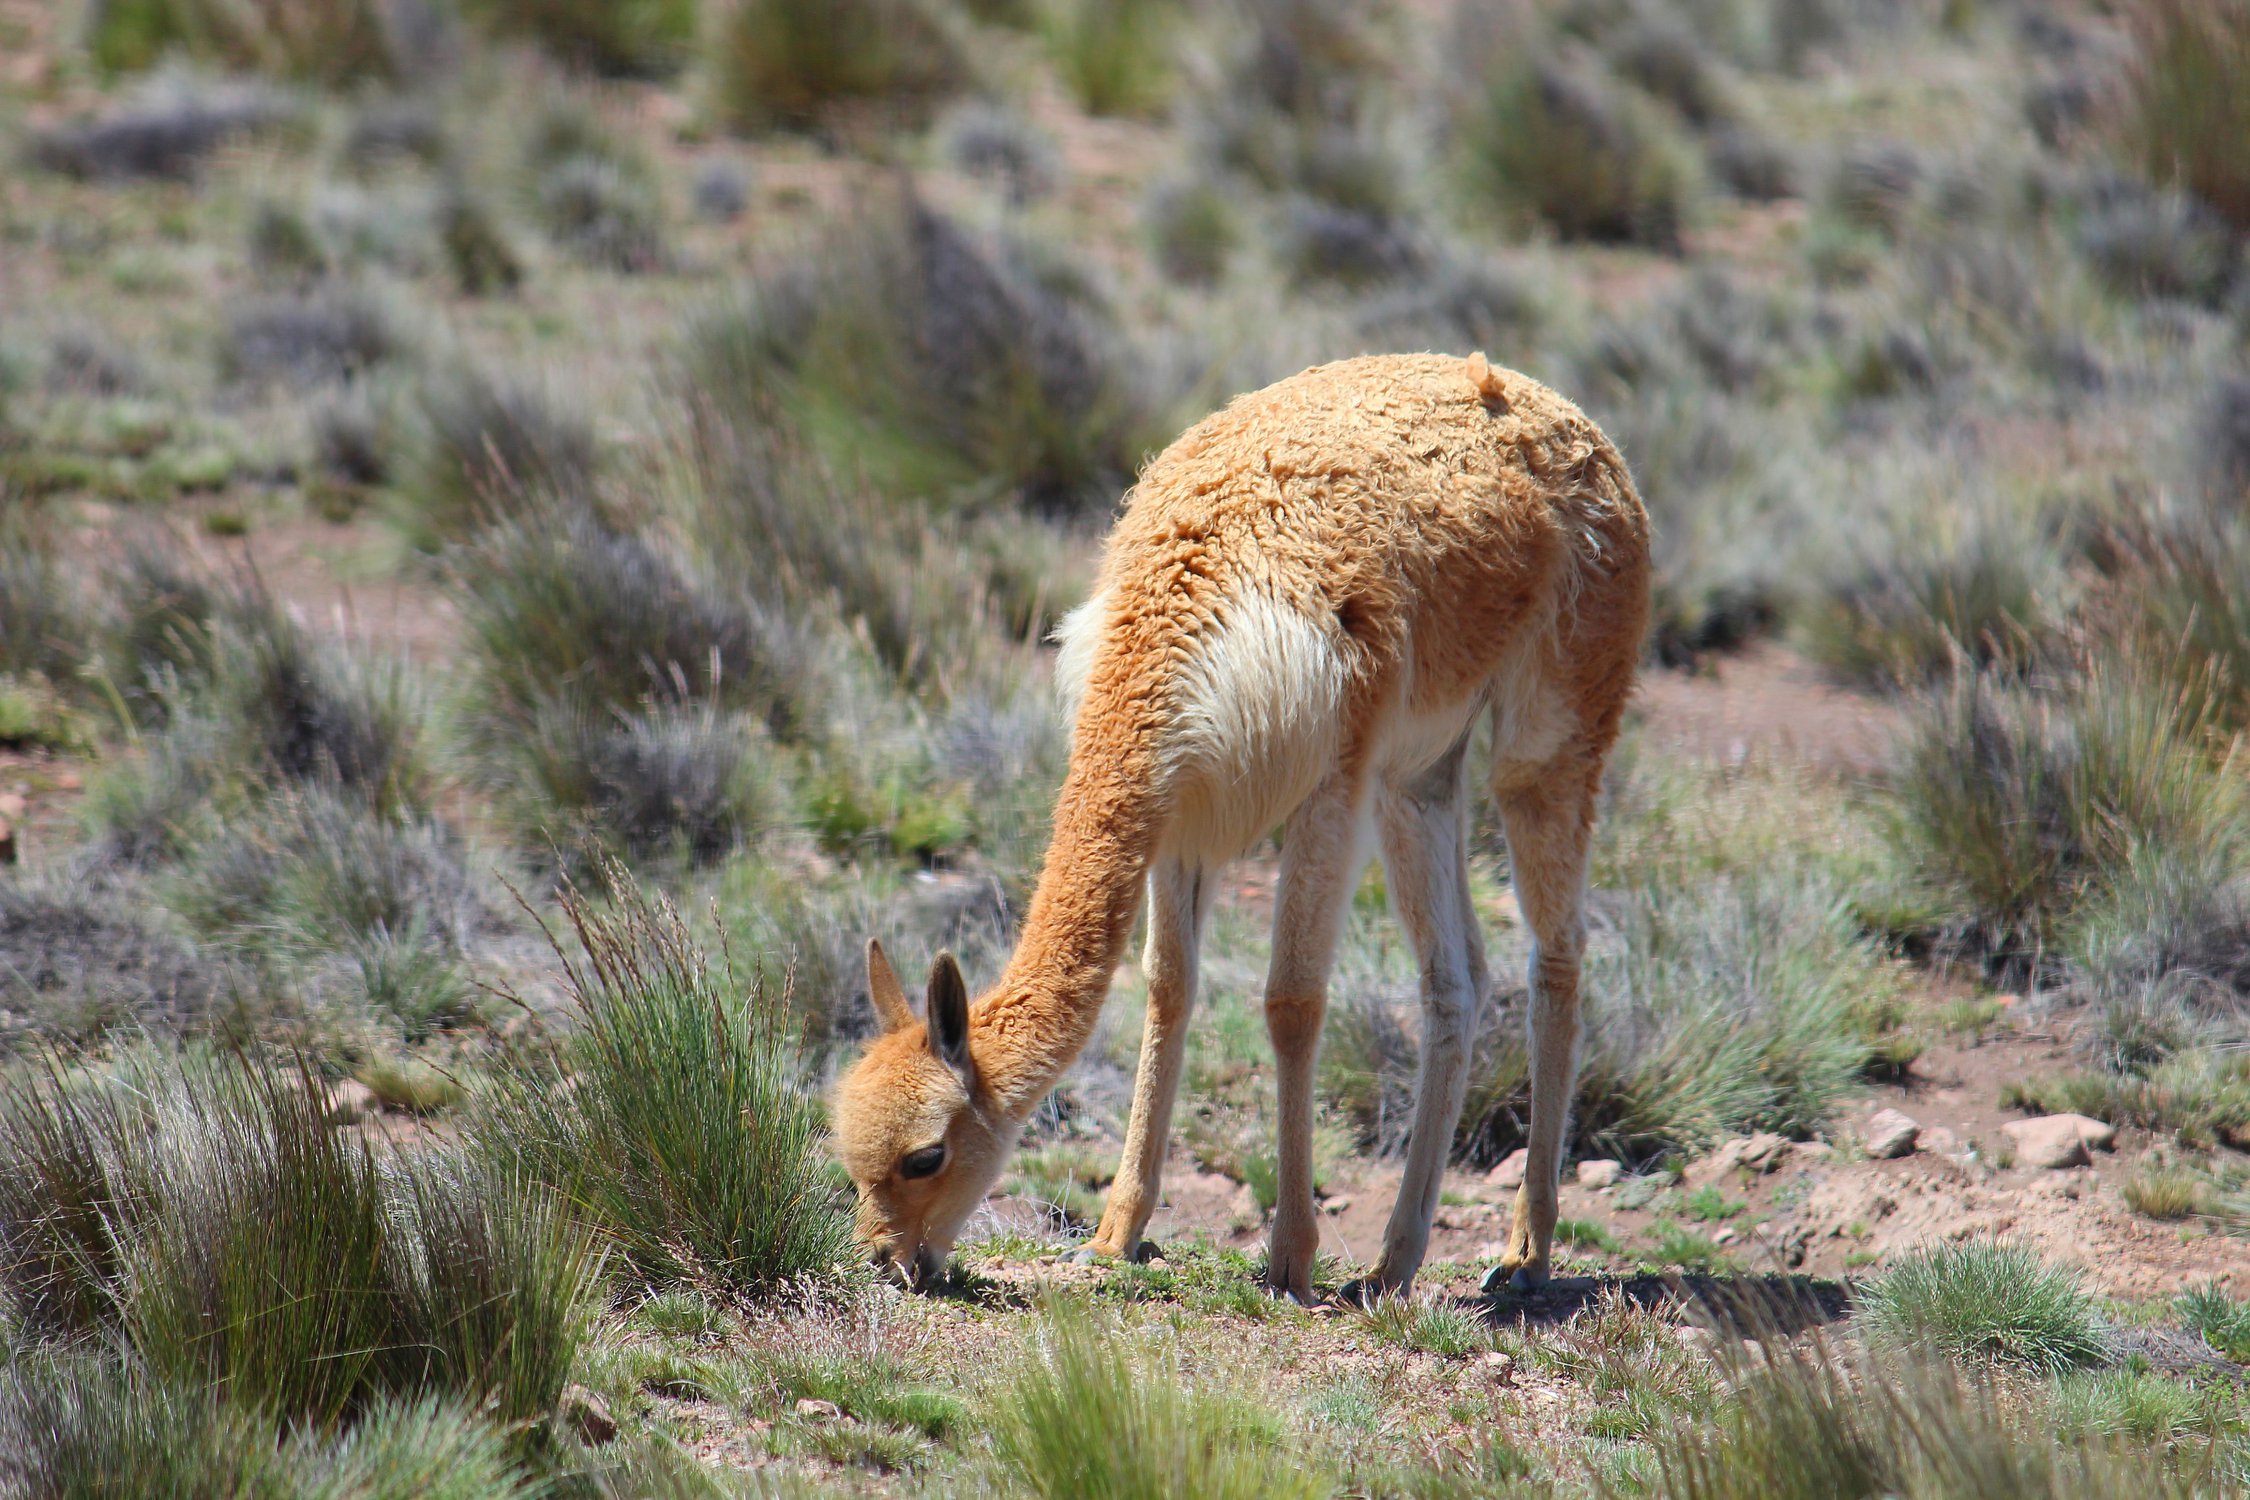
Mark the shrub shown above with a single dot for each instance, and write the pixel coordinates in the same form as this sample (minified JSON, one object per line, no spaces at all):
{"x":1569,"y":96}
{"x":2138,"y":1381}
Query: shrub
{"x":83,"y":362}
{"x":2014,"y":801}
{"x":684,"y":1131}
{"x":490,"y":446}
{"x":329,"y":334}
{"x":1660,"y":54}
{"x":394,"y":130}
{"x":624,"y":38}
{"x":934,"y":362}
{"x":78,"y":959}
{"x":320,"y":41}
{"x":42,"y":605}
{"x":1092,"y":1417}
{"x":1564,"y":147}
{"x":2222,"y":439}
{"x":1873,"y":187}
{"x":168,"y":131}
{"x":1114,"y":56}
{"x":476,"y":249}
{"x":2146,"y":244}
{"x":1321,"y":242}
{"x":1192,"y":228}
{"x":282,"y":243}
{"x":603,"y":213}
{"x":1727,"y":1005}
{"x":1753,"y":167}
{"x":2184,"y":99}
{"x":314,"y":715}
{"x":671,"y":780}
{"x":795,"y":62}
{"x":1988,"y":594}
{"x":1810,"y":1425}
{"x":566,"y":611}
{"x":1980,"y":1300}
{"x":985,"y":141}
{"x":721,"y":192}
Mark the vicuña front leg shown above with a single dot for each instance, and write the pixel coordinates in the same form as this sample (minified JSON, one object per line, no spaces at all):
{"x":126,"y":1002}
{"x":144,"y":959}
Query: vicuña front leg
{"x":1322,"y":853}
{"x":1178,"y":899}
{"x":1548,"y":825}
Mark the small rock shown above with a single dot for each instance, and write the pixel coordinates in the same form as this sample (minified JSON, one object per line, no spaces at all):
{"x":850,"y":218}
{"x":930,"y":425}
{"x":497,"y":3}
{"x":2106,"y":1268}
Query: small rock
{"x":818,"y":1411}
{"x":1509,"y":1174}
{"x":1335,"y":1205}
{"x":13,"y":806}
{"x":1496,"y":1360}
{"x":2052,"y":1141}
{"x":1598,"y":1174}
{"x":1940,"y":1141}
{"x":588,"y":1416}
{"x":1695,"y":1336}
{"x":350,"y":1100}
{"x":68,"y":781}
{"x":1764,"y":1152}
{"x":1640,"y":1192}
{"x":1726,"y":1236}
{"x":1812,"y":1153}
{"x":1891,"y":1134}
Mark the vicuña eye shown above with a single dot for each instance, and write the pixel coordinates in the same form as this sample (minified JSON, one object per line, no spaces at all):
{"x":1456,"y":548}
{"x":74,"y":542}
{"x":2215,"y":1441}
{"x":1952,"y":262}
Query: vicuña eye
{"x":922,"y":1163}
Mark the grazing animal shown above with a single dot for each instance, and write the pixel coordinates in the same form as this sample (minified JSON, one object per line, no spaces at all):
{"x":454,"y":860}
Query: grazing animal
{"x":1307,"y":602}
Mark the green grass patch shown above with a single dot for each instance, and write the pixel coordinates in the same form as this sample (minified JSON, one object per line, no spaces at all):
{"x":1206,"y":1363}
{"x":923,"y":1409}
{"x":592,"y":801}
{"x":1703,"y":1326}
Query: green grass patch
{"x":1983,"y":1300}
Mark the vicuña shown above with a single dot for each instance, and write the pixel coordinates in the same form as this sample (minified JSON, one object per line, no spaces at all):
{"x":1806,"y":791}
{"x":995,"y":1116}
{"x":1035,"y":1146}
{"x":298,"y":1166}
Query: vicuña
{"x":1308,"y":601}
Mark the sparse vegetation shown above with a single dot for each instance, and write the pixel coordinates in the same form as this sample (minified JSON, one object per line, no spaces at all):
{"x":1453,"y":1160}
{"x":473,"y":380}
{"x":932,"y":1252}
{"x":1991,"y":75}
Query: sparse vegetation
{"x":451,"y":454}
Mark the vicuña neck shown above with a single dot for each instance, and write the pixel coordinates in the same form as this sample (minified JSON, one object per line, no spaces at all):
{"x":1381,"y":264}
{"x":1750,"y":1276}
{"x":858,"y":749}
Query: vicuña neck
{"x":1036,"y":1021}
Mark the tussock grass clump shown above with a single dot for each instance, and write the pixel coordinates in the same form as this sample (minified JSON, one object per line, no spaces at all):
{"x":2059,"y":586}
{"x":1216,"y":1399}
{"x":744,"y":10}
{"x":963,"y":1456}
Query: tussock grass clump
{"x":477,"y":250}
{"x":84,"y":361}
{"x":2014,"y":801}
{"x":2223,"y":1322}
{"x":1564,"y":147}
{"x":1093,"y":1418}
{"x":987,"y":141}
{"x":332,"y":333}
{"x":938,"y":364}
{"x":230,"y":1242}
{"x":1986,"y":1300}
{"x":2222,"y":440}
{"x":2184,"y":99}
{"x":2145,"y":244}
{"x":622,"y":38}
{"x":1428,"y":1325}
{"x":595,"y":195}
{"x":684,"y":1129}
{"x":1193,"y":228}
{"x":492,"y":445}
{"x":43,"y":604}
{"x":2165,"y":1192}
{"x":165,"y":131}
{"x":796,"y":63}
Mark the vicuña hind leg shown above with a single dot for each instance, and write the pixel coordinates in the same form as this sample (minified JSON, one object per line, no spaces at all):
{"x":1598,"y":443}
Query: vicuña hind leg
{"x":1179,"y":897}
{"x":1425,"y":855}
{"x":1549,"y":820}
{"x":1322,"y":853}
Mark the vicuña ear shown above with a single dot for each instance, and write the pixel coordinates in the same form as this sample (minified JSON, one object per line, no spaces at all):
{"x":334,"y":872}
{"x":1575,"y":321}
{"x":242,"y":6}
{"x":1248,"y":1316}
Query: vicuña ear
{"x":883,"y":988}
{"x":948,"y":1014}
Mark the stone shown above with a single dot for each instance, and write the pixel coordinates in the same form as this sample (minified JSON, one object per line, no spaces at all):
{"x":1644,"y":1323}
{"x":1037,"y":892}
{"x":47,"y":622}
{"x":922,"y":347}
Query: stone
{"x":1598,"y":1174}
{"x":1940,"y":1141}
{"x":69,"y":781}
{"x":1335,"y":1205}
{"x":1890,"y":1134}
{"x":350,"y":1100}
{"x":14,"y":806}
{"x":588,"y":1416}
{"x":1764,"y":1152}
{"x":2055,"y":1142}
{"x":818,"y":1411}
{"x":1499,"y":1364}
{"x":1726,"y":1236}
{"x":1812,"y":1153}
{"x":1509,"y":1174}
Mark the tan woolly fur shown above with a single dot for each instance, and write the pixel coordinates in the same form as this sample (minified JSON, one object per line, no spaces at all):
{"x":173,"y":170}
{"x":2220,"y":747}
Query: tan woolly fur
{"x":1309,"y":599}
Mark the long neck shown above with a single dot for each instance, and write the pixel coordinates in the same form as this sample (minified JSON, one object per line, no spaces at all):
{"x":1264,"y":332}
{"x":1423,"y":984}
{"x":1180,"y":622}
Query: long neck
{"x":1036,"y":1021}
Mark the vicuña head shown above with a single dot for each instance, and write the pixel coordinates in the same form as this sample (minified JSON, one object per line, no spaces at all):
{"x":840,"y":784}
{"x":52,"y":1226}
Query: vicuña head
{"x":922,"y":1138}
